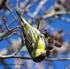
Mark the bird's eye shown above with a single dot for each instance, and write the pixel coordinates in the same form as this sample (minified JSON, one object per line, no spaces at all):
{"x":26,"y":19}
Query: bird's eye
{"x":59,"y":2}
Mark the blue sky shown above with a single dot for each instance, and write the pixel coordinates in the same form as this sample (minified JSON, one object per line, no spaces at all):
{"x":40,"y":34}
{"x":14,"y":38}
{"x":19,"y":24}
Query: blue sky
{"x":57,"y":24}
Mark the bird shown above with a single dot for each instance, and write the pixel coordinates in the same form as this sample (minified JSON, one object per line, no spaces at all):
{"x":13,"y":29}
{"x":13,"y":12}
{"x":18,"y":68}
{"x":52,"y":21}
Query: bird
{"x":34,"y":40}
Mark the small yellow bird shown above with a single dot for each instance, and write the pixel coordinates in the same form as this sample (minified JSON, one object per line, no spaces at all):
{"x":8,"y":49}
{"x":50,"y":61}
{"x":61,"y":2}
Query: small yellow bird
{"x":34,"y":40}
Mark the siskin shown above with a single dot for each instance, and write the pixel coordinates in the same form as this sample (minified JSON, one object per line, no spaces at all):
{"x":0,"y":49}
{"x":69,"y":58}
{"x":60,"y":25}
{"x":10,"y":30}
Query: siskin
{"x":34,"y":40}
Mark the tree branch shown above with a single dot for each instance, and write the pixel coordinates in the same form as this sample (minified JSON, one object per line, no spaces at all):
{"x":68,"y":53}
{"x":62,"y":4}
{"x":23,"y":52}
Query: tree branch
{"x":29,"y":58}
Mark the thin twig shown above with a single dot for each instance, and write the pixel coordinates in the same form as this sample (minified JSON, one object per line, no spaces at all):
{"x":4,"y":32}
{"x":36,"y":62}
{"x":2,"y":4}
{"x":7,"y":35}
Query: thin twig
{"x":29,"y":58}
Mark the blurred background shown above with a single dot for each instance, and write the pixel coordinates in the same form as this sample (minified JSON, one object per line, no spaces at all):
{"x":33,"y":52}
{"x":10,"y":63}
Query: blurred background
{"x":46,"y":15}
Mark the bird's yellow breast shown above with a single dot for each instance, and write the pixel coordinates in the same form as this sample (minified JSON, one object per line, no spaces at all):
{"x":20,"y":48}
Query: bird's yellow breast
{"x":40,"y":48}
